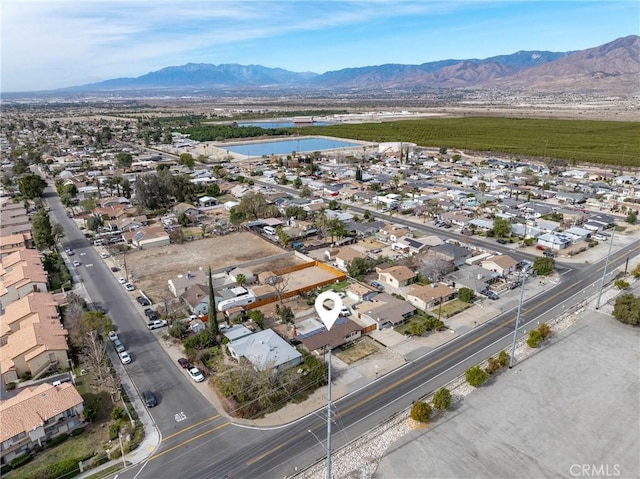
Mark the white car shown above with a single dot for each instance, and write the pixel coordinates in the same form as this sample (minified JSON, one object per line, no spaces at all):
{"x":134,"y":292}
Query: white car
{"x":104,"y":255}
{"x":113,"y":335}
{"x":129,"y":287}
{"x":76,"y":263}
{"x":122,"y":280}
{"x":196,"y":375}
{"x":345,"y":311}
{"x":158,"y":323}
{"x":124,"y":357}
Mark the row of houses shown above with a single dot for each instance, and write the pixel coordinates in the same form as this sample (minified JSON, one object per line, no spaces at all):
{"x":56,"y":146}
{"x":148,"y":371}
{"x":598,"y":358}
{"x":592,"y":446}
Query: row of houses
{"x":33,"y":343}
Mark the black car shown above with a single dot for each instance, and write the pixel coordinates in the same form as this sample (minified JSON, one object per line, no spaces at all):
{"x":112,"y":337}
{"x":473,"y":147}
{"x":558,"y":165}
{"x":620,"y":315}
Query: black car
{"x":149,"y":398}
{"x":143,"y":301}
{"x":184,"y":363}
{"x":115,"y":268}
{"x":501,"y":241}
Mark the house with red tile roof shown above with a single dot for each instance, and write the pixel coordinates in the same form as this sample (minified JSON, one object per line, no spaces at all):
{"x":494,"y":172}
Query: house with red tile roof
{"x":36,"y":415}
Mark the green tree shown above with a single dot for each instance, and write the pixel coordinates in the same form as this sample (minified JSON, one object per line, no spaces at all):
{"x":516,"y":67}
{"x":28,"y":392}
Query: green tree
{"x":124,"y":160}
{"x":20,"y":167}
{"x":466,"y":295}
{"x":627,"y":309}
{"x":283,"y":237}
{"x":236,"y":216}
{"x":213,"y":312}
{"x":632,"y":217}
{"x":305,"y":192}
{"x":254,"y":205}
{"x":543,"y":266}
{"x":285,"y":313}
{"x":183,"y":219}
{"x":31,"y":186}
{"x":257,"y":317}
{"x":359,"y":267}
{"x":187,"y":160}
{"x":501,"y":228}
{"x":476,"y":376}
{"x":42,"y":231}
{"x":420,"y":411}
{"x":297,"y":183}
{"x":241,"y":279}
{"x":94,"y":222}
{"x":441,"y":399}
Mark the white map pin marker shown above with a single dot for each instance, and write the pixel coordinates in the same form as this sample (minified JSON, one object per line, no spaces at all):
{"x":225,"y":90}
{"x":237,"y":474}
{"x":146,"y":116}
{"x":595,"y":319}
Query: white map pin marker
{"x":328,"y":316}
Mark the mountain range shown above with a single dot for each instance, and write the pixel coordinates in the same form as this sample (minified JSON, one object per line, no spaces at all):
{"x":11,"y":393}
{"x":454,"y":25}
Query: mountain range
{"x":612,"y":68}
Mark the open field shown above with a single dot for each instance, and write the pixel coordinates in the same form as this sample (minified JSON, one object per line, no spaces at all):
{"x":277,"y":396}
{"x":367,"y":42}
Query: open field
{"x":153,"y":267}
{"x":605,"y":142}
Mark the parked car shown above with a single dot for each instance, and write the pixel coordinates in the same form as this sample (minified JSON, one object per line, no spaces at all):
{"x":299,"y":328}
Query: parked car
{"x":142,"y":301}
{"x":124,"y":357}
{"x":149,"y":398}
{"x":76,"y":263}
{"x":184,"y":363}
{"x":122,"y":280}
{"x":104,"y":255}
{"x":158,"y":323}
{"x":148,"y":312}
{"x":113,"y":335}
{"x":115,"y":268}
{"x":69,"y":251}
{"x":548,"y":253}
{"x":129,"y":287}
{"x":196,"y":375}
{"x":118,"y":345}
{"x":345,"y":311}
{"x":501,"y":241}
{"x":377,"y":285}
{"x":489,"y":294}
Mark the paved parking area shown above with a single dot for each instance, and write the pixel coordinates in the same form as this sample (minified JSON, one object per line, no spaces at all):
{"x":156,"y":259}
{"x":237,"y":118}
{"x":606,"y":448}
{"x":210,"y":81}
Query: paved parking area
{"x":570,"y":410}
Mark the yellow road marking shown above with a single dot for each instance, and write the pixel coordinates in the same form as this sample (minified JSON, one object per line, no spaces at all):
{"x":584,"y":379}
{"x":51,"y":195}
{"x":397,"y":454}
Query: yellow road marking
{"x":190,"y":427}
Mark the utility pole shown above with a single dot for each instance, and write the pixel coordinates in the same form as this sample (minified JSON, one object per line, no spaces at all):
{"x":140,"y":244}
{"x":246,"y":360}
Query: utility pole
{"x":329,"y":415}
{"x":604,"y":273}
{"x":515,"y":329}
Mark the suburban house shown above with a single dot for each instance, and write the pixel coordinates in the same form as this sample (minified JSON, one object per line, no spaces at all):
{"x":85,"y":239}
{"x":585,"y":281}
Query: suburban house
{"x":360,"y":292}
{"x":36,"y":415}
{"x":197,"y":299}
{"x":189,"y":210}
{"x":392,"y":233}
{"x":396,"y":276}
{"x":13,"y":242}
{"x":20,"y":280}
{"x":207,"y":201}
{"x":32,"y":341}
{"x":316,"y":339}
{"x":474,"y":277}
{"x":385,"y":311}
{"x":501,"y":264}
{"x":555,"y":241}
{"x":265,"y":350}
{"x":149,"y":237}
{"x":345,"y":255}
{"x":425,"y":297}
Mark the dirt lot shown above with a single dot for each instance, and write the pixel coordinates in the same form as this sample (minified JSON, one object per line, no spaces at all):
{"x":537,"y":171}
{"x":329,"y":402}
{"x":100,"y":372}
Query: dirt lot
{"x":150,"y":269}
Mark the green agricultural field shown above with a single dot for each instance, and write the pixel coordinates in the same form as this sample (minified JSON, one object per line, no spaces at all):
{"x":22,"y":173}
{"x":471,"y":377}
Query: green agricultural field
{"x":605,"y":142}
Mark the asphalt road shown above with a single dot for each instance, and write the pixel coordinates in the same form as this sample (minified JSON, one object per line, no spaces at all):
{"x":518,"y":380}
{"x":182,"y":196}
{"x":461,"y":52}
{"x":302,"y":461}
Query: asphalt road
{"x":198,"y":443}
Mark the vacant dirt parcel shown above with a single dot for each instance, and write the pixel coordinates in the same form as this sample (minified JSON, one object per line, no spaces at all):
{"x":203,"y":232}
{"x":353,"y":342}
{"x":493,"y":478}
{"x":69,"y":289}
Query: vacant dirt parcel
{"x":150,"y":269}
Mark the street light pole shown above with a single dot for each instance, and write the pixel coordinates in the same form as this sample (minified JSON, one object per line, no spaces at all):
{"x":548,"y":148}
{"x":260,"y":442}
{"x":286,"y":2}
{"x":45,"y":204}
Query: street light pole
{"x":515,"y":329}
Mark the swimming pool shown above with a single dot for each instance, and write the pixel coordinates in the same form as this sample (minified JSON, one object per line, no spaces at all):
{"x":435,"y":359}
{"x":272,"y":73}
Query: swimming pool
{"x":285,"y":147}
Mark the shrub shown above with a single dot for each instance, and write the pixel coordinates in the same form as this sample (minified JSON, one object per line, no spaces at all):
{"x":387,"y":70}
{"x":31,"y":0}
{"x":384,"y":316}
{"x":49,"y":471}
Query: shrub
{"x":4,"y":469}
{"x":493,"y":365}
{"x":21,"y":460}
{"x":621,"y":284}
{"x":10,"y":386}
{"x":25,"y":376}
{"x":117,"y":413}
{"x":503,"y":358}
{"x":76,"y":432}
{"x":534,"y":338}
{"x":420,"y":411}
{"x":476,"y":376}
{"x":627,"y":309}
{"x":636,"y":271}
{"x":544,"y":331}
{"x":58,"y":440}
{"x":466,"y":295}
{"x":441,"y":399}
{"x":114,"y":430}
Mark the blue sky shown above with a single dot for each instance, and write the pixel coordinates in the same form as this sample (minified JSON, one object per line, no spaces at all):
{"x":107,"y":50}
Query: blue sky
{"x":54,"y":44}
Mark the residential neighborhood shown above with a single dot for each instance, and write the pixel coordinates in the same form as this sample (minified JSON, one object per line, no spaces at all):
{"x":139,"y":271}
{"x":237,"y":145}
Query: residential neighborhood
{"x":241,"y":246}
